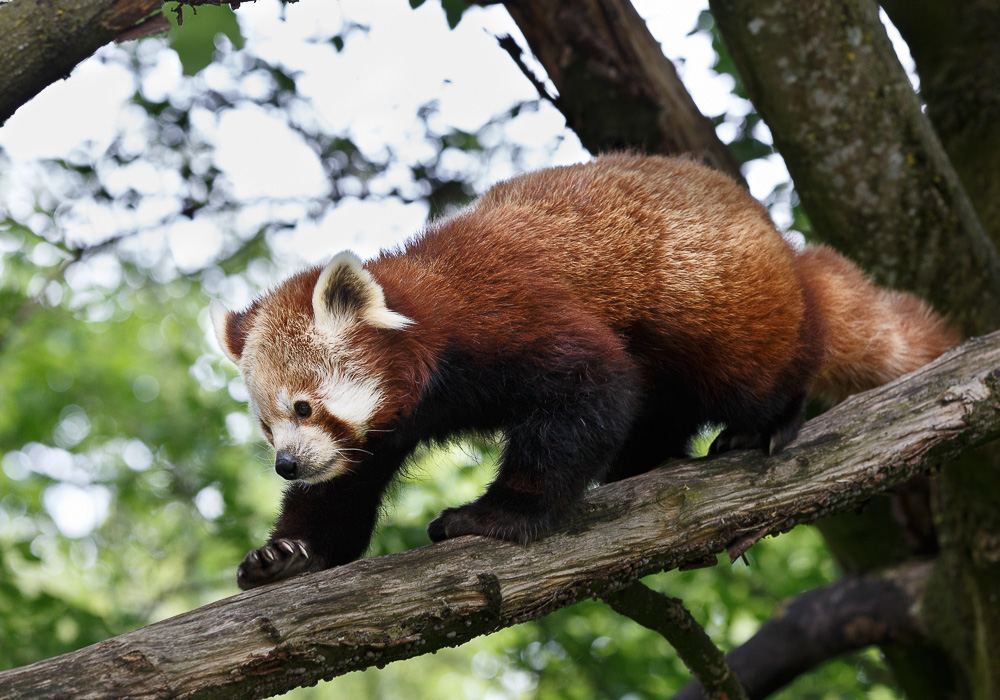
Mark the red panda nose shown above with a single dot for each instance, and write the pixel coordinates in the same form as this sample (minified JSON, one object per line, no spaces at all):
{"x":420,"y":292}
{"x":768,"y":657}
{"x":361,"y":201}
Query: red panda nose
{"x":286,"y":466}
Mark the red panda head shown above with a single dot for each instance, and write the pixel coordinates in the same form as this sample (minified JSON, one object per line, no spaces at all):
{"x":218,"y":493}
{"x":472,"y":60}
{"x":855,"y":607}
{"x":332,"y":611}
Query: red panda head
{"x":315,"y":388}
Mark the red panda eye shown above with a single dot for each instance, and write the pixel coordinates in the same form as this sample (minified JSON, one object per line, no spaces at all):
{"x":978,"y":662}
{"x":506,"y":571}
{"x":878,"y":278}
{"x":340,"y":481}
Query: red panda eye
{"x":303,"y":409}
{"x":265,"y":427}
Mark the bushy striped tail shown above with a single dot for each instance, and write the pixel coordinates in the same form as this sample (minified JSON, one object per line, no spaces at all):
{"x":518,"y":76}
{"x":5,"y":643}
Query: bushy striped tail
{"x":872,"y":335}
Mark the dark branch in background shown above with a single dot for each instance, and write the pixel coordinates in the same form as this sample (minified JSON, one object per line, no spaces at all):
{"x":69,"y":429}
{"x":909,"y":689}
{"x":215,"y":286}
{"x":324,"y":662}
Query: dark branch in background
{"x":616,"y":88}
{"x":670,"y":618}
{"x":508,"y":44}
{"x":816,"y":626}
{"x":374,"y":611}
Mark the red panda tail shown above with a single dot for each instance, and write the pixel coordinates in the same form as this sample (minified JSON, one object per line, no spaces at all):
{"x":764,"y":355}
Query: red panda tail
{"x":872,"y":335}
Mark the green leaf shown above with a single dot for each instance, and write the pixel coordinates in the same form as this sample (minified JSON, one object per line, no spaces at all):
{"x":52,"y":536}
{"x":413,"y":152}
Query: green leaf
{"x":193,"y":35}
{"x":453,"y":10}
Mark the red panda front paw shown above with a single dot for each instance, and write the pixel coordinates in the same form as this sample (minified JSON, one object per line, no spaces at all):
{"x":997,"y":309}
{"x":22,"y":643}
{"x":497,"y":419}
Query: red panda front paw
{"x":473,"y":519}
{"x":276,"y":561}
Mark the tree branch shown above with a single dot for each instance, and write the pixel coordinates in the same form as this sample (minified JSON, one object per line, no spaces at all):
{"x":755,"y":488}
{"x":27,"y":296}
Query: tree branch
{"x":671,"y":619}
{"x":41,"y":41}
{"x":616,"y":88}
{"x":374,"y":611}
{"x":821,"y":624}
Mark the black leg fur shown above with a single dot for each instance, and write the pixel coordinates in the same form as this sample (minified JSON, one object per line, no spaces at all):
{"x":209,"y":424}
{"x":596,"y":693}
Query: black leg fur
{"x":669,"y":418}
{"x":578,"y":412}
{"x":771,"y":437}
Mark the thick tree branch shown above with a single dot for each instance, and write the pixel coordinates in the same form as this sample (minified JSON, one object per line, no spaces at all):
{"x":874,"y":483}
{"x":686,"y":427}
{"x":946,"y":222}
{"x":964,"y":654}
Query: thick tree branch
{"x":670,"y":618}
{"x":41,"y":41}
{"x":816,"y":626}
{"x":379,"y":610}
{"x":616,"y":88}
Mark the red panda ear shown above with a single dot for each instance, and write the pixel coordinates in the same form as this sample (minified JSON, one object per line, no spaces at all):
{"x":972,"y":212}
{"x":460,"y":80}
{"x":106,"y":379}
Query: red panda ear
{"x":346,"y":291}
{"x":231,"y":329}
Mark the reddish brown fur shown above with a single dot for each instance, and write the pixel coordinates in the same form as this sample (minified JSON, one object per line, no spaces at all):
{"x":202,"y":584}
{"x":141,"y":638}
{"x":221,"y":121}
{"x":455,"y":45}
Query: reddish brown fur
{"x":664,"y":246}
{"x":875,"y":335}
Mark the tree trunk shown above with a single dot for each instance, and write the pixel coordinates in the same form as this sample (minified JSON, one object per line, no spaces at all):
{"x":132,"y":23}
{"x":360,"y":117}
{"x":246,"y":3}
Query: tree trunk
{"x":867,"y":165}
{"x":616,"y":88}
{"x":956,"y":46}
{"x":374,"y":611}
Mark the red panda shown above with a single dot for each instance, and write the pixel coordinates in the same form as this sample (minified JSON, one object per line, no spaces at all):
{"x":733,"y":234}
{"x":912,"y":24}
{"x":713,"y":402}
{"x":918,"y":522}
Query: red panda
{"x":595,"y":314}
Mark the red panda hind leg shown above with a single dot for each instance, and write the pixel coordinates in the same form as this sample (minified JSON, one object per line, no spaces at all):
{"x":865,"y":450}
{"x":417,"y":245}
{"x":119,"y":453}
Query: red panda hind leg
{"x":772,"y":439}
{"x":577,"y":403}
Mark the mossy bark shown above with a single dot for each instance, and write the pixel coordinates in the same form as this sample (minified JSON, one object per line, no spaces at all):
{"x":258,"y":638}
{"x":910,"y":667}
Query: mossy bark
{"x":869,"y":169}
{"x":876,"y":181}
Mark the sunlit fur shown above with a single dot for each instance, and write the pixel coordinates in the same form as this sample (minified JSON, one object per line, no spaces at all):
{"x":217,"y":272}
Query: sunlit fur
{"x":876,"y":334}
{"x":594,"y":314}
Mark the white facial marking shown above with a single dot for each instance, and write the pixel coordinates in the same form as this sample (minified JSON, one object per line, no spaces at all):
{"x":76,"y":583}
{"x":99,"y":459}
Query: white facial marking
{"x":352,"y":400}
{"x":283,"y":401}
{"x":382,"y":317}
{"x":284,"y":436}
{"x":317,"y":452}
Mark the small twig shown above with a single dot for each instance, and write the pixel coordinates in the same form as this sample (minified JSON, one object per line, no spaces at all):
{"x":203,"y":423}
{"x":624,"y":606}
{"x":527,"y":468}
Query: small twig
{"x":737,"y":549}
{"x":508,"y":44}
{"x":670,"y":618}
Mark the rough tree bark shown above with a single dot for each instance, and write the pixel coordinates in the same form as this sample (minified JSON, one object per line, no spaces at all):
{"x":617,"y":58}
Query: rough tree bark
{"x":41,"y":41}
{"x":378,"y":610}
{"x":616,"y":88}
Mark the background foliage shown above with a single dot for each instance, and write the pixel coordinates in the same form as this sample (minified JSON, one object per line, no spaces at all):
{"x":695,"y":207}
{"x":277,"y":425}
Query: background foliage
{"x":132,"y":481}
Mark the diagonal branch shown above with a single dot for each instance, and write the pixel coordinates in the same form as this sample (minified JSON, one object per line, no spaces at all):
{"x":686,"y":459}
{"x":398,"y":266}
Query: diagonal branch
{"x":374,"y":611}
{"x":671,"y":619}
{"x":41,"y":41}
{"x":816,"y":626}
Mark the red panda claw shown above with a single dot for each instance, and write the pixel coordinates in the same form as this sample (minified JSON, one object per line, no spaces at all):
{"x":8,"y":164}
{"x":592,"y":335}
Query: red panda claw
{"x":276,"y":561}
